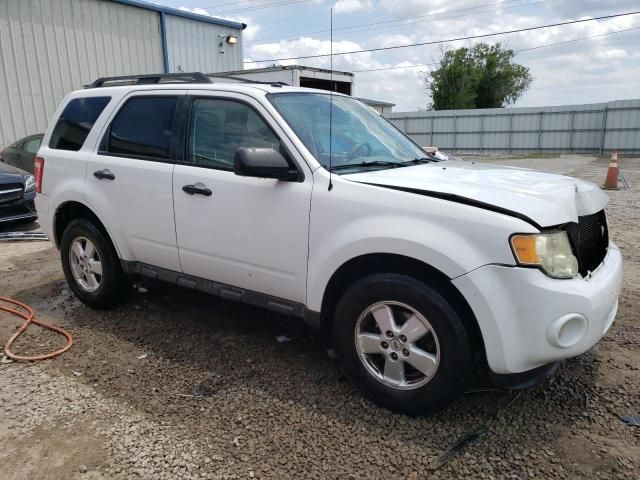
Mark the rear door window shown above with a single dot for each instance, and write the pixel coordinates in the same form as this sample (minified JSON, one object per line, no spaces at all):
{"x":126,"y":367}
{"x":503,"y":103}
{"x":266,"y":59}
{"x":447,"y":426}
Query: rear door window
{"x":76,"y":121}
{"x":143,"y":128}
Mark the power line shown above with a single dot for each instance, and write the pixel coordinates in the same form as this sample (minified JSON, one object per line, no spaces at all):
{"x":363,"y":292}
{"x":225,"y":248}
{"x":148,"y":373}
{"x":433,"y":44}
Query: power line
{"x":228,"y":3}
{"x":413,"y":65}
{"x":261,"y":7}
{"x":576,"y":40}
{"x":380,"y":27}
{"x":434,"y":42}
{"x":515,"y":51}
{"x":348,"y":27}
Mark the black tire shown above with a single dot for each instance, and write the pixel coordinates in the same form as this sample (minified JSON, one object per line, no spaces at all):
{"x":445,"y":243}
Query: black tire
{"x":455,"y":355}
{"x":114,"y":283}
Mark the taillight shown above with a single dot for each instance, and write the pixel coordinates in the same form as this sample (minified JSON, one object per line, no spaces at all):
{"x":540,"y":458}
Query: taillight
{"x":38,"y":171}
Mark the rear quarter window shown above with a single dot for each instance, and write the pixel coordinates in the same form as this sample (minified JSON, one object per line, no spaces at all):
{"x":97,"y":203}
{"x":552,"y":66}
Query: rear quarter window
{"x":76,"y":121}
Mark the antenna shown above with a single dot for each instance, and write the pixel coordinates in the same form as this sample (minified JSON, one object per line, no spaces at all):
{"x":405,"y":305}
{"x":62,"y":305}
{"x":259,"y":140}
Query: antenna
{"x":331,"y":102}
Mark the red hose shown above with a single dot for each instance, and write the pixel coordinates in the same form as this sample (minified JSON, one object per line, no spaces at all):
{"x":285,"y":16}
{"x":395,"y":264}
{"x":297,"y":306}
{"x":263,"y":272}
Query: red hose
{"x":30,"y":318}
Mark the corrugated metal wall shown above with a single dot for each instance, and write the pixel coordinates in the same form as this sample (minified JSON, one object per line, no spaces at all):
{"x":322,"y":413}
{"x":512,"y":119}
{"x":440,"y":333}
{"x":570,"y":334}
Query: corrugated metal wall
{"x":196,"y":46}
{"x":593,"y":127}
{"x":51,"y":47}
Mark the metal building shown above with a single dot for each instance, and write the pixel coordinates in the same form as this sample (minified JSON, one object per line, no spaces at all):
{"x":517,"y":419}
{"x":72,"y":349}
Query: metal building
{"x":383,"y":108}
{"x":301,"y":76}
{"x":51,"y":47}
{"x":311,"y":77}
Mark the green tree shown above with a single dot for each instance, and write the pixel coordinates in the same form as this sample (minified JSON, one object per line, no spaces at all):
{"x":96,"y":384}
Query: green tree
{"x":480,"y":77}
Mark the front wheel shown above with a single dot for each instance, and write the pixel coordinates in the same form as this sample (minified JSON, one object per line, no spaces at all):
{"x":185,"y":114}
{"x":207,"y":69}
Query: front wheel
{"x":401,"y":343}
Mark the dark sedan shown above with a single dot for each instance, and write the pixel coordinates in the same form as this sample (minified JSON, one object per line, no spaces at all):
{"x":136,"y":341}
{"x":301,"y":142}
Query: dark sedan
{"x":21,"y":153}
{"x":17,"y":192}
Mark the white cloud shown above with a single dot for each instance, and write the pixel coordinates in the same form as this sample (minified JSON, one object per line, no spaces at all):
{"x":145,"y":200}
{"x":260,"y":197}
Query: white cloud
{"x":248,"y":34}
{"x":612,"y":54}
{"x":350,"y":6}
{"x":593,"y":70}
{"x":408,"y":8}
{"x":197,"y":10}
{"x":383,"y":85}
{"x":312,"y":46}
{"x":381,"y":41}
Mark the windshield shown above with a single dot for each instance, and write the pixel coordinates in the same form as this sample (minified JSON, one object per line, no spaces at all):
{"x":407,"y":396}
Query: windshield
{"x":360,"y":137}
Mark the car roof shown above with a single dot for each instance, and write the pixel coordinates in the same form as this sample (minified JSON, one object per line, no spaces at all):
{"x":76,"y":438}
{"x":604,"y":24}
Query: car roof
{"x":35,"y":135}
{"x":239,"y":87}
{"x":24,"y":139}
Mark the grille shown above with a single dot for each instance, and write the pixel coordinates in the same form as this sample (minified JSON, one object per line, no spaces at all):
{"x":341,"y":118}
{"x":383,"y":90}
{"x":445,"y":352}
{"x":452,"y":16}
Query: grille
{"x":10,"y":192}
{"x":590,"y":239}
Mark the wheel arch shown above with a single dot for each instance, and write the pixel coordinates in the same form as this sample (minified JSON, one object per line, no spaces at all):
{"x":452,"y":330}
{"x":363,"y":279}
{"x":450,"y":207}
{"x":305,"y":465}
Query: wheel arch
{"x":372,"y":263}
{"x":71,"y":210}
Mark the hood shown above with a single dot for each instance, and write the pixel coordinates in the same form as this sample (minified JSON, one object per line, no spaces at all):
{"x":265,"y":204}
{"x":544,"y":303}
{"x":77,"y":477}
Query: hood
{"x":543,"y":199}
{"x":6,"y":169}
{"x":10,"y":174}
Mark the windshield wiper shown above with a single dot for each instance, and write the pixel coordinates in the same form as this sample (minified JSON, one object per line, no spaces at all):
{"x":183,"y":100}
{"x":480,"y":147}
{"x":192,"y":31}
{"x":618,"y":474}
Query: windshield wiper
{"x":418,"y":160}
{"x":375,"y":163}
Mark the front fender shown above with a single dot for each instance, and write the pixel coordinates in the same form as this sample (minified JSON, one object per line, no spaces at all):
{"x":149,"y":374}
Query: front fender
{"x":452,"y":253}
{"x":356,"y":219}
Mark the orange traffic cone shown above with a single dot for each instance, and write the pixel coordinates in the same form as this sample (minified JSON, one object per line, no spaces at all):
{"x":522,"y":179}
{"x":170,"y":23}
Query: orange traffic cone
{"x":611,"y":182}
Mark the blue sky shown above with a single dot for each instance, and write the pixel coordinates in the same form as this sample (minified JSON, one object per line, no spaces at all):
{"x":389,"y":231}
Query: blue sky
{"x":603,"y":68}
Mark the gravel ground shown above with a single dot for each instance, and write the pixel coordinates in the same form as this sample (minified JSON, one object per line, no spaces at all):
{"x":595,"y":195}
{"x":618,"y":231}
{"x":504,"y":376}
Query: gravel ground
{"x":180,"y":385}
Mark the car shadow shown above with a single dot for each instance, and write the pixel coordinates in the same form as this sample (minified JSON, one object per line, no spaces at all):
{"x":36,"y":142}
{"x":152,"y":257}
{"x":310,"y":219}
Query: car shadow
{"x":205,"y":351}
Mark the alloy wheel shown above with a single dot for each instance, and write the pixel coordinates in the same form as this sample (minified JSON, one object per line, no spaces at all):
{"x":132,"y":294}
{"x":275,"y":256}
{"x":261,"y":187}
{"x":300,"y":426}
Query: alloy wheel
{"x":85,"y":263}
{"x":397,"y":345}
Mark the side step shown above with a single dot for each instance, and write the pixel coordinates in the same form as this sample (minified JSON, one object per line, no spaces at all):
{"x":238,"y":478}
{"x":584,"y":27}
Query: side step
{"x":228,"y":292}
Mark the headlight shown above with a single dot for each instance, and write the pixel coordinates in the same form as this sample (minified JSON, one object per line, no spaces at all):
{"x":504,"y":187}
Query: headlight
{"x":549,"y":251}
{"x":29,"y":183}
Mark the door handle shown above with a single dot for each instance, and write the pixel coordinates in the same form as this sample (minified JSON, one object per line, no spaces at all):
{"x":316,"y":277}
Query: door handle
{"x":197,"y":189}
{"x":104,"y":174}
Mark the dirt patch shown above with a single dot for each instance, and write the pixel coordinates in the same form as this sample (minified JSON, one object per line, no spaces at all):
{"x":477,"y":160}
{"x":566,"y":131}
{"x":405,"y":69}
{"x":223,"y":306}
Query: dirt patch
{"x":58,"y":451}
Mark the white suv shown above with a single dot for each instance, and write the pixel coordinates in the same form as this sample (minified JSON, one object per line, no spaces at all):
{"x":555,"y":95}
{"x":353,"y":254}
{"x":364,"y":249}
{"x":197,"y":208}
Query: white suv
{"x":313,"y":205}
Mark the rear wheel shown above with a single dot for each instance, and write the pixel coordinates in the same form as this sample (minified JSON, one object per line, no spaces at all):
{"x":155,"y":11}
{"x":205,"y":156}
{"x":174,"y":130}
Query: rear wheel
{"x":91,"y":266}
{"x":401,"y":343}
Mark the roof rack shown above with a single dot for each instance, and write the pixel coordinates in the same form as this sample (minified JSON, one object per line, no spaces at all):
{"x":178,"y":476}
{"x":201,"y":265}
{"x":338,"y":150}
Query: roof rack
{"x":163,"y":78}
{"x":231,"y":77}
{"x":192,"y":77}
{"x":246,"y":80}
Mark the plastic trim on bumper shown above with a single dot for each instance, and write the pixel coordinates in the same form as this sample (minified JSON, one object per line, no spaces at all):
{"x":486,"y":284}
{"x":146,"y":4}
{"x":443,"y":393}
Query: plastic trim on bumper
{"x":21,"y":209}
{"x":520,"y":381}
{"x":517,"y":307}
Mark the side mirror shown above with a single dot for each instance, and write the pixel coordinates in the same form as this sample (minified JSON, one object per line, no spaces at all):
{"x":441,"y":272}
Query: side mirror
{"x":263,"y":163}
